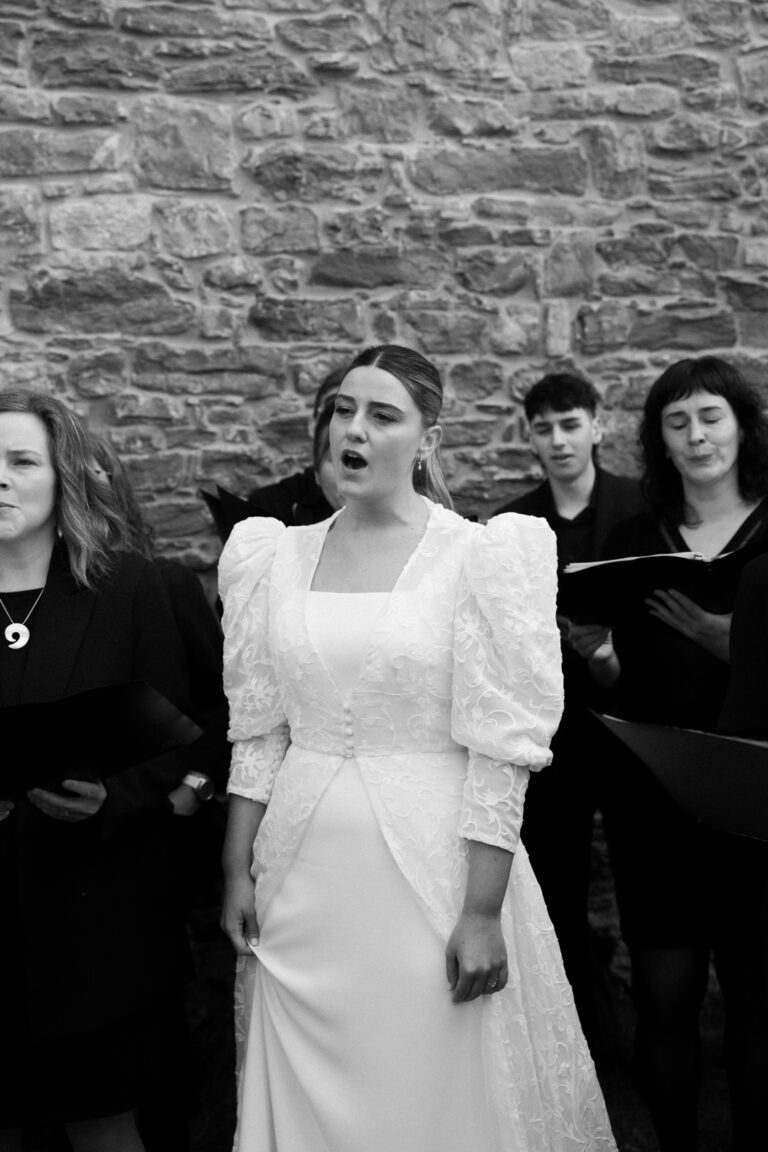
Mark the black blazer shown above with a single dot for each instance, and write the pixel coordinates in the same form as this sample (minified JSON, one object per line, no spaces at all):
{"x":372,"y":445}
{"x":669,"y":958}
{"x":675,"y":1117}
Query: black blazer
{"x":92,"y":918}
{"x":617,"y":498}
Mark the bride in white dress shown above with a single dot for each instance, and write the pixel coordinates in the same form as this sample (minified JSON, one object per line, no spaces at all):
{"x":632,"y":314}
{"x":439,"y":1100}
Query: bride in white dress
{"x":394,"y":676}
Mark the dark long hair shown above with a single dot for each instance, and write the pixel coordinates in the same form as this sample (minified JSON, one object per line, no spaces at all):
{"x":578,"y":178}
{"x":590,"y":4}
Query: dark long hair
{"x":662,"y":484}
{"x":422,"y":382}
{"x":87,"y":517}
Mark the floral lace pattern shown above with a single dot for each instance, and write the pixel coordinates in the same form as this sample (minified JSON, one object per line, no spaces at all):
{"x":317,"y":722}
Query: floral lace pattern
{"x":458,"y":697}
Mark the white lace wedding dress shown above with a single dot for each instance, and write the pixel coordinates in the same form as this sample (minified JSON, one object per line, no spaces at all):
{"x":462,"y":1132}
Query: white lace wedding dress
{"x":384,"y":732}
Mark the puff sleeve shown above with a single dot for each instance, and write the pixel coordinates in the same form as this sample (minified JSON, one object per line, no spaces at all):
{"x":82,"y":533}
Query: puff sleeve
{"x":257,"y":724}
{"x":507,"y":674}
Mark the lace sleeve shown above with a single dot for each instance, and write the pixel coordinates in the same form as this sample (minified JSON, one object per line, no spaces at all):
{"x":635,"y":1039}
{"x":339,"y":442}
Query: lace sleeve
{"x":507,"y":678}
{"x":257,"y":725}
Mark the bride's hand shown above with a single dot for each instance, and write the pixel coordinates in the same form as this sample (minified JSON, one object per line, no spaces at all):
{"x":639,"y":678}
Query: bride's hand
{"x":238,"y":915}
{"x":476,"y":957}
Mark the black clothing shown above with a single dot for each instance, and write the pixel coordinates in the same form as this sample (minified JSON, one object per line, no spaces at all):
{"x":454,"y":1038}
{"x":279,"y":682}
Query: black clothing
{"x":91,"y":919}
{"x":561,"y":801}
{"x":297,"y":499}
{"x":745,"y":711}
{"x":669,"y":869}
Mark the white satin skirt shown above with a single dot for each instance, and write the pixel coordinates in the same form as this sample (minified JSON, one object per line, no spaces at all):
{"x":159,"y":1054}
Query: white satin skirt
{"x":354,"y":1044}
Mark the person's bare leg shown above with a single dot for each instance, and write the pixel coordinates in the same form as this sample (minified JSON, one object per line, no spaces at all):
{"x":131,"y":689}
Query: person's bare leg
{"x":108,"y":1134}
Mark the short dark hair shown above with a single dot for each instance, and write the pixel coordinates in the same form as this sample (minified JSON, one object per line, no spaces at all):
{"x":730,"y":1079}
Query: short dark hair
{"x":560,"y":391}
{"x":661,"y":480}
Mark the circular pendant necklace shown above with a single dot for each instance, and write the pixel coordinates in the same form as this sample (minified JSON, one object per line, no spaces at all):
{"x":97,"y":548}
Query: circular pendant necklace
{"x":17,"y":634}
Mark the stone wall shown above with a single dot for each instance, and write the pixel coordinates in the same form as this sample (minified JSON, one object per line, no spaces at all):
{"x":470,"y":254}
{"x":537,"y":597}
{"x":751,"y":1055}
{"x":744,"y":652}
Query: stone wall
{"x":204,"y":206}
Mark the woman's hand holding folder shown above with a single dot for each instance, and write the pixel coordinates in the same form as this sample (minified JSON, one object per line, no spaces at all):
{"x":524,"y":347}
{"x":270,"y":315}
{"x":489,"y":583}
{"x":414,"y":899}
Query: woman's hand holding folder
{"x":710,"y":630}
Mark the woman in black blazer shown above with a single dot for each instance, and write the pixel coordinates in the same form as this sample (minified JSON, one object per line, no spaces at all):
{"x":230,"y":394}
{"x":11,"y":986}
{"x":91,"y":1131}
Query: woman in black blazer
{"x":92,"y":947}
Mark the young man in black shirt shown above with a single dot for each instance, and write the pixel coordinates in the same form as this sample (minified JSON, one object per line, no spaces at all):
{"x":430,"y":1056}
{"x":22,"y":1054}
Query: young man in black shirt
{"x":581,"y":502}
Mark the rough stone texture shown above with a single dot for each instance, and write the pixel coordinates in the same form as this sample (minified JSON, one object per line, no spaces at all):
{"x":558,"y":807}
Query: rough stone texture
{"x":206,"y":206}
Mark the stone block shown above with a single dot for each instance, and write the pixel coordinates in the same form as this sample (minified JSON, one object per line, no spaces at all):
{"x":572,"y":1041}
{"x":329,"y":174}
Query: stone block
{"x":378,"y":268}
{"x":752,"y":71}
{"x":445,"y":172}
{"x":495,"y":273}
{"x":11,"y":42}
{"x":333,"y":33}
{"x":289,"y":229}
{"x":712,"y":253}
{"x":193,"y":229}
{"x":253,"y":71}
{"x":685,"y":134}
{"x":603,"y":326}
{"x":678,"y":69}
{"x":517,"y":330}
{"x":564,"y":19}
{"x":558,"y":328}
{"x":694,"y":330}
{"x":252,"y":371}
{"x":755,"y":252}
{"x":651,"y":35}
{"x":442,"y":37}
{"x":40,"y":152}
{"x":463,"y":116}
{"x":443,"y":326}
{"x":718,"y":22}
{"x":63,"y":59}
{"x":570,"y":265}
{"x":24,"y":106}
{"x":476,"y":379}
{"x":472,"y":430}
{"x":289,"y":172}
{"x":101,"y":300}
{"x":376,"y":111}
{"x":101,"y":222}
{"x":746,"y":291}
{"x":159,"y":471}
{"x":171,"y":20}
{"x":551,"y":66}
{"x":100,"y":373}
{"x":183,"y":145}
{"x":21,"y":226}
{"x":618,"y":160}
{"x":369,"y":226}
{"x":280,"y":319}
{"x":267,"y":119}
{"x":87,"y":110}
{"x":706,"y":184}
{"x":286,"y":274}
{"x":131,"y":407}
{"x":234,"y":274}
{"x":644,"y":100}
{"x":88,"y":13}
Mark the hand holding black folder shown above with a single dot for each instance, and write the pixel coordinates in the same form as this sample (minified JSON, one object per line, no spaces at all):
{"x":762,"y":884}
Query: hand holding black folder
{"x":88,"y":736}
{"x":610,"y":590}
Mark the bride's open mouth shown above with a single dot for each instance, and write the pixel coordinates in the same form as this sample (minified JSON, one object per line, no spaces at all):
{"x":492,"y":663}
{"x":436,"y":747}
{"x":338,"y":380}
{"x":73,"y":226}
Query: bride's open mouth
{"x":353,"y":460}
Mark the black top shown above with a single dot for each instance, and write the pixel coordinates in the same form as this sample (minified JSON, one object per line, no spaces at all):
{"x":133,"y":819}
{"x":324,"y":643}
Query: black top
{"x":613,"y":499}
{"x":665,"y":677}
{"x":745,"y":712}
{"x":297,"y":499}
{"x":13,"y":661}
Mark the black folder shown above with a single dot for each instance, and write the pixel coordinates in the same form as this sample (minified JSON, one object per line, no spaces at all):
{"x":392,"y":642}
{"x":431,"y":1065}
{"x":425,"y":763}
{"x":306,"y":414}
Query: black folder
{"x":88,"y":736}
{"x":721,"y":781}
{"x":611,"y":590}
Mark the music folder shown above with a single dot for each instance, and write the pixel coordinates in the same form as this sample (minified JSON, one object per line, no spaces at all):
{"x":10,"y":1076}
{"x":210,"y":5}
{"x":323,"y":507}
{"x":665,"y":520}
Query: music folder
{"x":721,"y":781}
{"x":608,"y":591}
{"x":88,"y":736}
